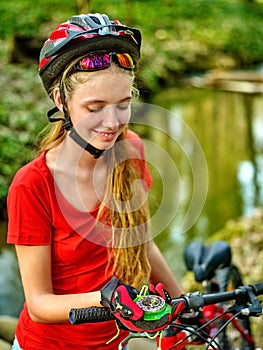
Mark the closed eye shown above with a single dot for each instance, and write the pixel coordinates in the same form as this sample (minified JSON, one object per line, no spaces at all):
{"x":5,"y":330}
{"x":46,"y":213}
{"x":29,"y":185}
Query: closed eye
{"x":123,"y":106}
{"x":95,"y":109}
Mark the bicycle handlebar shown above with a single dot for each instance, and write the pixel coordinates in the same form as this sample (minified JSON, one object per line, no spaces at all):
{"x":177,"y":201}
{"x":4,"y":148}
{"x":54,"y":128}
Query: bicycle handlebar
{"x":242,"y":294}
{"x":193,"y":302}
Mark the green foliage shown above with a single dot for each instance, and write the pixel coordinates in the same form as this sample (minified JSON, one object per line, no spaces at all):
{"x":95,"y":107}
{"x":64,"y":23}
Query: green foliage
{"x":190,"y":36}
{"x":22,"y":116}
{"x":26,"y":17}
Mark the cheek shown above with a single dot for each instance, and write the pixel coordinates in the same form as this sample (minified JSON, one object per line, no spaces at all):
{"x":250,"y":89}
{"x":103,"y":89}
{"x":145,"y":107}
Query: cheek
{"x":80,"y":115}
{"x":124,"y":116}
{"x":74,"y":112}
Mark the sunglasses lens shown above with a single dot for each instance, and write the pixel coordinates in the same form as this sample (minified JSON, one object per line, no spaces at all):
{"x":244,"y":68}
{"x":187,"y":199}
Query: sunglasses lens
{"x":95,"y":62}
{"x":125,"y":60}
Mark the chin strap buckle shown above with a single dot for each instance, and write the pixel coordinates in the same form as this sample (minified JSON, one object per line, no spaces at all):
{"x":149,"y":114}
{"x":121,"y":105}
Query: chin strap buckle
{"x":85,"y":145}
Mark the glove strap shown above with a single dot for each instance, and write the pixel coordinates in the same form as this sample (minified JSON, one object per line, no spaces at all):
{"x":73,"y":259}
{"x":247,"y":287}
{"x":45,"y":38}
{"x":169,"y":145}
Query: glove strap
{"x":107,"y":292}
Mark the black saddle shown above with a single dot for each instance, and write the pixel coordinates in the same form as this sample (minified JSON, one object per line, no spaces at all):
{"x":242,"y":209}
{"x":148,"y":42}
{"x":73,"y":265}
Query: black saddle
{"x":205,"y":260}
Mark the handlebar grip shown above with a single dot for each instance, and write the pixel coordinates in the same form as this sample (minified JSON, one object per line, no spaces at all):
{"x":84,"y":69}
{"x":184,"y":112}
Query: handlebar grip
{"x":90,"y":314}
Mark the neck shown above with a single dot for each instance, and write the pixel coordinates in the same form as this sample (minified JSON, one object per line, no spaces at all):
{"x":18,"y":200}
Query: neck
{"x":79,"y":177}
{"x":73,"y":156}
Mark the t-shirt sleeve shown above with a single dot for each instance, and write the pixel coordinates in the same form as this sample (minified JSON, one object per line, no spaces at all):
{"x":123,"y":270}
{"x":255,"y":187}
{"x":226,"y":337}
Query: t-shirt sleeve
{"x":29,"y":222}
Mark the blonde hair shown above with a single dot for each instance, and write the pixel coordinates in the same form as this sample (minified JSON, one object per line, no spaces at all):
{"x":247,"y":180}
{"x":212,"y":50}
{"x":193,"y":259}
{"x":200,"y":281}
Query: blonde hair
{"x":128,"y":250}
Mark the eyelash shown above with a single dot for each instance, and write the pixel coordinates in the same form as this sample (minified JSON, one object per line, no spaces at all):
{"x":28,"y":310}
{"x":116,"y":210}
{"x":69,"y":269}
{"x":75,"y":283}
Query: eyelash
{"x":95,"y":110}
{"x":121,"y":107}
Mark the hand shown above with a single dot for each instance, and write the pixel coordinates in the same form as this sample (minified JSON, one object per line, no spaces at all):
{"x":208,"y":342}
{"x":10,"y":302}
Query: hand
{"x":120,"y":297}
{"x":161,"y":291}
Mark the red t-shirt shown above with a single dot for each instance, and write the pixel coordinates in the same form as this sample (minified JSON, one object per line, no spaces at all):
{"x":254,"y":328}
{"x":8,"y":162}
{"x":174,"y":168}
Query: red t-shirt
{"x":39,"y":215}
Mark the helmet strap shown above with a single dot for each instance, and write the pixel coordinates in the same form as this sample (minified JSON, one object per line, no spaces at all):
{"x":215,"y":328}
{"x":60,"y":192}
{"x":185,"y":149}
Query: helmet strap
{"x":67,"y":125}
{"x":95,"y":152}
{"x":50,"y":114}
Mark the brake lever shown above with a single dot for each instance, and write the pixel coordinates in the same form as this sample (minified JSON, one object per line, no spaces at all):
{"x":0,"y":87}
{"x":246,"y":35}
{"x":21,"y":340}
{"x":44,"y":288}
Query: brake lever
{"x":255,"y":308}
{"x":247,"y":304}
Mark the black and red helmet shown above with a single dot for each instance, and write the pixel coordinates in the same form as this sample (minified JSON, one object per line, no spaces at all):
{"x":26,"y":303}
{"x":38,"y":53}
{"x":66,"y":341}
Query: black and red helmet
{"x":81,"y":35}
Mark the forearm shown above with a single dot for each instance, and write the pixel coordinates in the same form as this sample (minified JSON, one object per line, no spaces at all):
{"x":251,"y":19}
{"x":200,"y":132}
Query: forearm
{"x":43,"y":305}
{"x":162,"y":273}
{"x":51,"y":308}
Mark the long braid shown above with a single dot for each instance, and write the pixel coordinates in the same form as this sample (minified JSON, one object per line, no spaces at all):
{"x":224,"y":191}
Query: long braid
{"x":126,"y":199}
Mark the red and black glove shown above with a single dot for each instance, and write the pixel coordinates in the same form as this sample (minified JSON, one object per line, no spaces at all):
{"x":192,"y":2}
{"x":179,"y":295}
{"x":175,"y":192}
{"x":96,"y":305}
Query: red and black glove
{"x":161,"y":291}
{"x":120,"y":297}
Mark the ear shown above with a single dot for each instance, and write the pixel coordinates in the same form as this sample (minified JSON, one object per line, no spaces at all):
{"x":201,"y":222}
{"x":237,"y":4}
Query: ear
{"x":57,"y":99}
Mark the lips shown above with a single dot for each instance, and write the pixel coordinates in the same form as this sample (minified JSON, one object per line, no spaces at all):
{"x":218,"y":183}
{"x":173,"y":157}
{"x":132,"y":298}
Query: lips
{"x":106,"y":135}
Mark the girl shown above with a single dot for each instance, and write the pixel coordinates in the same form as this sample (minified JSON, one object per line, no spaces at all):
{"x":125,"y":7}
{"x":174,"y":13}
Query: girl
{"x":78,"y":213}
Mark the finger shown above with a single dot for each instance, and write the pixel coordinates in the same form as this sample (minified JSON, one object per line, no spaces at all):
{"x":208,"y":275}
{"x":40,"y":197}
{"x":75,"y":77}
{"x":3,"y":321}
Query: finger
{"x":161,"y":290}
{"x":125,"y":305}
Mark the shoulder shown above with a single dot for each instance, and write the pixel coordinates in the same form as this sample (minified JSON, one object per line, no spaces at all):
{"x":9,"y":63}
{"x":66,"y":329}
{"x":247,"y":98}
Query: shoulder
{"x":136,"y":141}
{"x":131,"y":135}
{"x":32,"y":173}
{"x":32,"y":187}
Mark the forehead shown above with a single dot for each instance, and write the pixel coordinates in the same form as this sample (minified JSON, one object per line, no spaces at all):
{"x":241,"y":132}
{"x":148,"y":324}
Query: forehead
{"x":115,"y":82}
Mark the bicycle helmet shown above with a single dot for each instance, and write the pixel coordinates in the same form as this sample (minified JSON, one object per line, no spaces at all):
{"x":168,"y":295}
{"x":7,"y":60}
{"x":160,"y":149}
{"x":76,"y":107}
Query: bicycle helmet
{"x":81,"y":35}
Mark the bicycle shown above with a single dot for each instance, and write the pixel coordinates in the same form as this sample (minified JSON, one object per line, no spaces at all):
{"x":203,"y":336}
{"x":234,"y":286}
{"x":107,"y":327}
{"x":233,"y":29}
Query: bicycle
{"x":213,"y":268}
{"x":188,"y":328}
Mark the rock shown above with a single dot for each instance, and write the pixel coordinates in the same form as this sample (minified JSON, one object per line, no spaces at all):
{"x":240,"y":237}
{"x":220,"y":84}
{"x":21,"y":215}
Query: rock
{"x":7,"y":328}
{"x":4,"y":345}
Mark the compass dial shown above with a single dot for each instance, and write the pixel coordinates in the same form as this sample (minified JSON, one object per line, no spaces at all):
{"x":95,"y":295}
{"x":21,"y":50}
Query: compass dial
{"x":151,"y":303}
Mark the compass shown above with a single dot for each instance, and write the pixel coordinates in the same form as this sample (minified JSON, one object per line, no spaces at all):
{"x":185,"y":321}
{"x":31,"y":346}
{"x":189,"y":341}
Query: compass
{"x":154,"y":307}
{"x":151,"y":303}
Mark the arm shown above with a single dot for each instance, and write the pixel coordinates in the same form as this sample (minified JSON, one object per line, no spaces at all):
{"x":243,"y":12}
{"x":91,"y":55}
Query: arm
{"x":161,"y":272}
{"x":43,"y":305}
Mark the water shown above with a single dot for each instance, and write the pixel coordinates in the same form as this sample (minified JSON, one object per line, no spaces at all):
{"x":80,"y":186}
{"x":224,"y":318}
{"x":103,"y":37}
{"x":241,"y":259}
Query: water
{"x":205,"y":151}
{"x":228,"y":127}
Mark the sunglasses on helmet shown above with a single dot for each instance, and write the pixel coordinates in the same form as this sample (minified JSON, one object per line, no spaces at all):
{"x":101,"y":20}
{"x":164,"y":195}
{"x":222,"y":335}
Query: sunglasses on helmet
{"x":95,"y":62}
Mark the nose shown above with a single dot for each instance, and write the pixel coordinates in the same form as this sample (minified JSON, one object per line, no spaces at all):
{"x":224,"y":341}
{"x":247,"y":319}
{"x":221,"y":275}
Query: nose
{"x":111,"y":118}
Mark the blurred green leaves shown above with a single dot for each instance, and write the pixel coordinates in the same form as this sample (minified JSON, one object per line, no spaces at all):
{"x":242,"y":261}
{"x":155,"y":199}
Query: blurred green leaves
{"x":26,"y":17}
{"x":23,"y":105}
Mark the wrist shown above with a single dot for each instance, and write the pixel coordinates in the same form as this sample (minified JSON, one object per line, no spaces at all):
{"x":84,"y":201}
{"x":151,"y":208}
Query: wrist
{"x":94,"y":298}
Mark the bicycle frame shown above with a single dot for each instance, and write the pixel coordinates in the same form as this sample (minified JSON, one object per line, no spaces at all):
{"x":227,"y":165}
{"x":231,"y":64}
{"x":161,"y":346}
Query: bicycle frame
{"x":176,"y":341}
{"x":179,"y":338}
{"x":212,"y":312}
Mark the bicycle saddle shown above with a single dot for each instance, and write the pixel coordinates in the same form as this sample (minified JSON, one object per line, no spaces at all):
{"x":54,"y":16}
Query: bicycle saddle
{"x":204,"y":261}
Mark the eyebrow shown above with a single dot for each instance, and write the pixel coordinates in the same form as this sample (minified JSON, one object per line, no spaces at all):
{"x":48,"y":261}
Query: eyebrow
{"x":126,"y":99}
